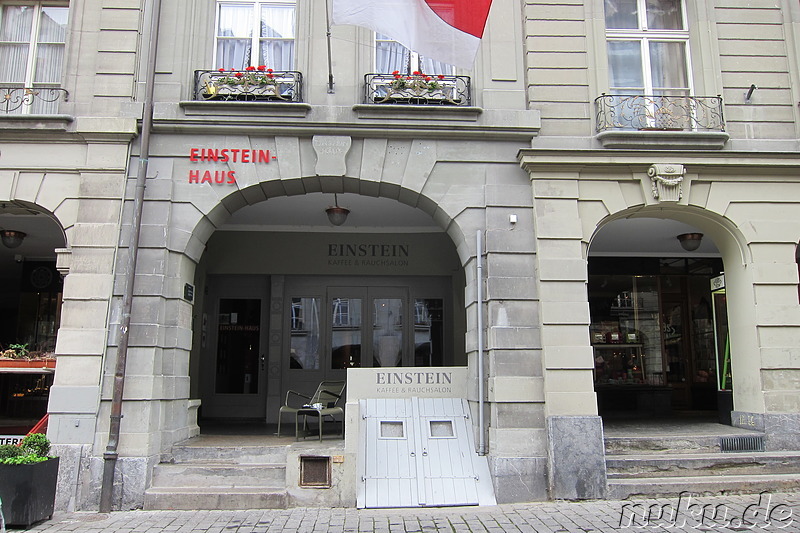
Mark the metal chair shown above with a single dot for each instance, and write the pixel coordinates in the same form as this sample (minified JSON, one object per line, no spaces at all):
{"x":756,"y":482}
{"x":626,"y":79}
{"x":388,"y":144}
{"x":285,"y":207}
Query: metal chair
{"x":324,"y":402}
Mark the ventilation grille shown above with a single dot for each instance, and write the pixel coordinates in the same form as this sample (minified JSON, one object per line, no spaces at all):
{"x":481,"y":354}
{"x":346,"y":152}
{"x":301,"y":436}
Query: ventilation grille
{"x":315,"y":471}
{"x":742,"y":443}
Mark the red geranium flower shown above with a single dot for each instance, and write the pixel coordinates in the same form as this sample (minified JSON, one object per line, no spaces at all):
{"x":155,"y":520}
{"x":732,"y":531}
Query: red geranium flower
{"x":440,"y":76}
{"x":427,"y":78}
{"x":250,"y":68}
{"x":238,"y":74}
{"x":269,"y":70}
{"x":396,"y":72}
{"x":222,"y":70}
{"x":415,"y":73}
{"x":262,"y":67}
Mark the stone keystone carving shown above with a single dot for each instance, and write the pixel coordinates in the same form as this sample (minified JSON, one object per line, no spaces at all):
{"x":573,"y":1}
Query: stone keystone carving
{"x":331,"y":152}
{"x":666,"y":179}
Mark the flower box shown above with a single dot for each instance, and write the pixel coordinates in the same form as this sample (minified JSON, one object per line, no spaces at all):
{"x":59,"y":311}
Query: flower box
{"x":28,"y":492}
{"x":254,"y":84}
{"x":27,"y":363}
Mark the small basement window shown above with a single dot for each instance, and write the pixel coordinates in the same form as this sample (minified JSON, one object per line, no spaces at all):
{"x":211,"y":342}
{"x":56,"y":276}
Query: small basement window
{"x":315,"y":471}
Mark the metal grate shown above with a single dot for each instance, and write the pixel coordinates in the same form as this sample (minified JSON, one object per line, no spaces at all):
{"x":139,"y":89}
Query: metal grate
{"x":742,"y":443}
{"x":315,"y":471}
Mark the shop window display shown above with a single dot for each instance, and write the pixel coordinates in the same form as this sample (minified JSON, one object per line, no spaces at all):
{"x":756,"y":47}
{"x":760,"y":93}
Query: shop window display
{"x":653,"y":340}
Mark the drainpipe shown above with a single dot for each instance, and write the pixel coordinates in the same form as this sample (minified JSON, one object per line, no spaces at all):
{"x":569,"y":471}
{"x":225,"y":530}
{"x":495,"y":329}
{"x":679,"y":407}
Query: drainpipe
{"x":110,"y":455}
{"x":479,"y":292}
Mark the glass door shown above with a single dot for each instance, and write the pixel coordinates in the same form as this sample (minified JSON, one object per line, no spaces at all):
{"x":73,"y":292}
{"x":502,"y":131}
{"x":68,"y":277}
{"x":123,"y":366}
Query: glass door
{"x":332,"y":326}
{"x":389,"y":333}
{"x":234,"y":372}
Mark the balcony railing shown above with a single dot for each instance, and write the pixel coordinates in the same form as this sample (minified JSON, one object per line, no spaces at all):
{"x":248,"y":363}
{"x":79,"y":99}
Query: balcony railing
{"x":31,"y":100}
{"x":248,"y":85}
{"x":659,"y":113}
{"x":417,"y":89}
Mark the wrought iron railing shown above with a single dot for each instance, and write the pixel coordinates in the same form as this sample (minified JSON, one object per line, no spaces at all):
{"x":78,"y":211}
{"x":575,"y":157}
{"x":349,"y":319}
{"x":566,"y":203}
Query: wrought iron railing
{"x":253,"y":85}
{"x":31,"y":100}
{"x":417,"y":89}
{"x":659,"y":113}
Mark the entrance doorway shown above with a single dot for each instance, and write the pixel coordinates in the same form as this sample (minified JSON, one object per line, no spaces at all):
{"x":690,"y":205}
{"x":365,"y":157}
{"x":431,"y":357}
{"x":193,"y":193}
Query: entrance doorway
{"x":326,"y":325}
{"x":234,"y":376}
{"x":336,"y":323}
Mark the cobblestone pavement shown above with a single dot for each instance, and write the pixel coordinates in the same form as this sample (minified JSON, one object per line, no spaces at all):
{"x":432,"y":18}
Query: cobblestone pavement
{"x":756,"y":512}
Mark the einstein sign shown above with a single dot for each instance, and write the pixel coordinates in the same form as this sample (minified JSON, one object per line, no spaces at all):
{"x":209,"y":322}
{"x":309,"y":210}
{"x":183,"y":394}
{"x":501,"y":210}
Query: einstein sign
{"x":422,"y":382}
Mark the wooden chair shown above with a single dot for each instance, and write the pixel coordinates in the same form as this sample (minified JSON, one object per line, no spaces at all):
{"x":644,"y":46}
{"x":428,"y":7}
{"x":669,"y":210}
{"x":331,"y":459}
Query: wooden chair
{"x":327,"y":398}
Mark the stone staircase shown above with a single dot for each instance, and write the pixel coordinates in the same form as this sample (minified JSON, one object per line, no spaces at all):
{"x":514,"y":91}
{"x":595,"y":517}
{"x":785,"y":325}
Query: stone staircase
{"x":665,"y":465}
{"x":216,"y":476}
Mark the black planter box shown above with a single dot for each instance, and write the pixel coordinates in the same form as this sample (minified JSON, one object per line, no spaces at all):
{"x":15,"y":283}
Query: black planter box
{"x":28,"y":492}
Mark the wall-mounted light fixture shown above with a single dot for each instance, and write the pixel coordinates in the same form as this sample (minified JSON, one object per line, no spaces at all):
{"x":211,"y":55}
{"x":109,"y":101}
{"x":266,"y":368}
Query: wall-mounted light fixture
{"x":12,"y":238}
{"x":337,"y":215}
{"x":690,"y":241}
{"x":749,"y":93}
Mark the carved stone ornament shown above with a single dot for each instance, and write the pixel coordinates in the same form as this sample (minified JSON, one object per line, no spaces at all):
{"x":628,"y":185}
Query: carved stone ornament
{"x":666,"y":179}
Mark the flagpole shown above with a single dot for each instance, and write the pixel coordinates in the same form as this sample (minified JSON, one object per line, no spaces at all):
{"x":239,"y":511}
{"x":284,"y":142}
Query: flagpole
{"x":328,"y":34}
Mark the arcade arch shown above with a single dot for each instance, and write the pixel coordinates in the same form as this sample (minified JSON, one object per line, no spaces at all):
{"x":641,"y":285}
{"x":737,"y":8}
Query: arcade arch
{"x":31,"y":290}
{"x":659,"y":326}
{"x":287,"y":300}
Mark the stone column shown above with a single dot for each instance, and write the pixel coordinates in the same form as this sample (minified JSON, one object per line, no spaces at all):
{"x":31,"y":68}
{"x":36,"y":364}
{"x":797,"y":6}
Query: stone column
{"x":516,"y":437}
{"x":576,"y":459}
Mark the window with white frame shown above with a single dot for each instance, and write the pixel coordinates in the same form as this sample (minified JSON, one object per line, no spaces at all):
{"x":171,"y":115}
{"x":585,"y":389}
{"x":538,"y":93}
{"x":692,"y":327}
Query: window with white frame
{"x":255,"y":33}
{"x":648,"y":47}
{"x":391,"y":56}
{"x":32,"y":37}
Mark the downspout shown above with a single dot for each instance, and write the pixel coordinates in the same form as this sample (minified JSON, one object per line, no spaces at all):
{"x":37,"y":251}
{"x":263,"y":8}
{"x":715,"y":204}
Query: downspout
{"x":110,"y":455}
{"x":479,"y":293}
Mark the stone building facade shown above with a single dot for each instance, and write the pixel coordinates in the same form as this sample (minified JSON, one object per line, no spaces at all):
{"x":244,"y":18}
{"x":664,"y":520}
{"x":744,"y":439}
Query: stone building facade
{"x":534,"y":159}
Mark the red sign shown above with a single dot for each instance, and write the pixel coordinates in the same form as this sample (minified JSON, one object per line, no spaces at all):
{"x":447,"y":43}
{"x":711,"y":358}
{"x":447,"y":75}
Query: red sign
{"x":224,"y":155}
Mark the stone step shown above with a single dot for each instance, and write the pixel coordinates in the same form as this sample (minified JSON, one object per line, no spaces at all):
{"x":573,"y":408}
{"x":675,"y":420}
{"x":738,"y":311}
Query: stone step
{"x":194,"y":498}
{"x":702,"y":464}
{"x":620,"y":489}
{"x":228,"y":454}
{"x":665,"y":444}
{"x":224,"y":475}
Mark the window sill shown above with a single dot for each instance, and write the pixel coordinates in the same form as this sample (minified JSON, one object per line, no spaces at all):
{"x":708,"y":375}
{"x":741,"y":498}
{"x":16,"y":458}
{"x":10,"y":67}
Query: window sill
{"x":227,"y":108}
{"x":30,"y":122}
{"x":417,"y":112}
{"x":663,"y":139}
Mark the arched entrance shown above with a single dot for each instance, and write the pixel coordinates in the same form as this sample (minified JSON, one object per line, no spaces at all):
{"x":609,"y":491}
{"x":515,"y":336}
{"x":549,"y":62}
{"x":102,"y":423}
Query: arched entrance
{"x":30,"y":313}
{"x":287,"y":300}
{"x":658,"y":326}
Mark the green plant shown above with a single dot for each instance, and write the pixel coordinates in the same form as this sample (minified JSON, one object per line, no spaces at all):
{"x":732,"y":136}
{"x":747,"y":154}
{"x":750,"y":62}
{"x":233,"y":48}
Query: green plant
{"x":16,"y":351}
{"x":23,"y":460}
{"x":34,"y":448}
{"x":9,"y":450}
{"x":37,"y":444}
{"x":260,"y":75}
{"x":416,"y":81}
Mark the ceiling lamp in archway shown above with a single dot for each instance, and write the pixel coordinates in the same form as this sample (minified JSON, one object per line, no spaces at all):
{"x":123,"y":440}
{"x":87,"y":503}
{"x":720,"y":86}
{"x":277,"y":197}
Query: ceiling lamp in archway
{"x":12,"y":238}
{"x":337,"y":215}
{"x":690,"y":241}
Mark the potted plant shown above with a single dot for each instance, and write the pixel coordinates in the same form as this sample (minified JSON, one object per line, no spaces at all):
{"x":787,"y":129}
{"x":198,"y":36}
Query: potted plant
{"x":28,"y":476}
{"x":252,"y":82}
{"x":18,"y":356}
{"x":416,"y":85}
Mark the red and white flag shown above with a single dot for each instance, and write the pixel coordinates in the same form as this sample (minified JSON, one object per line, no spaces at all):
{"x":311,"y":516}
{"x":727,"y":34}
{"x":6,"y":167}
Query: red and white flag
{"x":445,"y":30}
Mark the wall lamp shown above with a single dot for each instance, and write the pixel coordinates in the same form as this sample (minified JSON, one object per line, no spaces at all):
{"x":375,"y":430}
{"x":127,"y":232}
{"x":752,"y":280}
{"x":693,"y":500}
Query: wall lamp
{"x":12,"y":238}
{"x":749,"y":93}
{"x":690,"y":241}
{"x":337,"y":215}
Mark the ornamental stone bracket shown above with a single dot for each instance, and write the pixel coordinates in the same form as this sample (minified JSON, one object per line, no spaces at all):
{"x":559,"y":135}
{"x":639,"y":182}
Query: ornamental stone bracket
{"x":666,"y":179}
{"x":63,"y":260}
{"x":331,"y":153}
